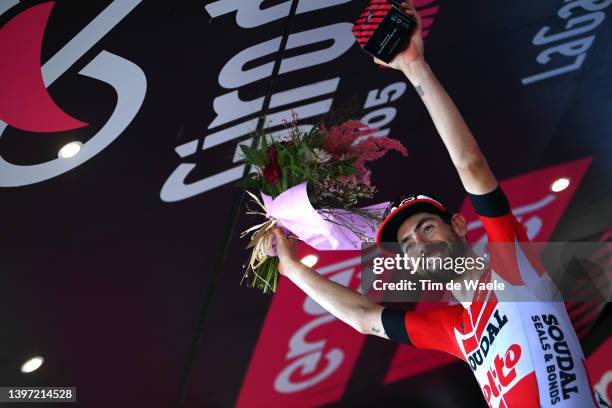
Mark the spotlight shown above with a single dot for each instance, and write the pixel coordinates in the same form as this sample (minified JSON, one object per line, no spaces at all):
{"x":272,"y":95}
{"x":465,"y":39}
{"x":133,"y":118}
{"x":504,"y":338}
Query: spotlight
{"x":310,"y":260}
{"x":32,"y":364}
{"x":69,"y":150}
{"x":560,"y":184}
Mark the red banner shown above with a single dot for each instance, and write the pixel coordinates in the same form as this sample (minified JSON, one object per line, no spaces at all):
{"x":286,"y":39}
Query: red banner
{"x":304,"y":356}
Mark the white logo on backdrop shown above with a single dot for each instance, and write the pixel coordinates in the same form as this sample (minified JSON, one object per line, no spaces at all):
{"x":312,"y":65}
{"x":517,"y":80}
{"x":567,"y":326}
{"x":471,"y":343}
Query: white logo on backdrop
{"x":126,"y":78}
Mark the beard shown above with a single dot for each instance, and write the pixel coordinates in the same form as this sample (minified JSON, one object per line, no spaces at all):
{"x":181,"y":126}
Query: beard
{"x":437,"y":254}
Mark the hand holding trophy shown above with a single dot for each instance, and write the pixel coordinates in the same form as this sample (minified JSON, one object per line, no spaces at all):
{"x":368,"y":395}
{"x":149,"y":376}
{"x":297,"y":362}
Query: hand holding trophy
{"x":390,"y":32}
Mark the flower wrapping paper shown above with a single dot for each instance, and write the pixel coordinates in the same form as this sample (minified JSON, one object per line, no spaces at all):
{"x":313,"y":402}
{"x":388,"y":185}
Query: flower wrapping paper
{"x":321,"y":229}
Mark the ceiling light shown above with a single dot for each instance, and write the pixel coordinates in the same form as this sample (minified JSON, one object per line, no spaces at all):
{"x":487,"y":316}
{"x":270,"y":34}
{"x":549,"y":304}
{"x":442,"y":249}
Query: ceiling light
{"x":69,"y":150}
{"x":32,"y":364}
{"x":310,"y":260}
{"x":560,"y":184}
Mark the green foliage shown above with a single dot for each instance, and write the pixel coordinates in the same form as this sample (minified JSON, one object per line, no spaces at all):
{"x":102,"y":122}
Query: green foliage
{"x":255,"y":157}
{"x":296,"y":159}
{"x":251,"y":180}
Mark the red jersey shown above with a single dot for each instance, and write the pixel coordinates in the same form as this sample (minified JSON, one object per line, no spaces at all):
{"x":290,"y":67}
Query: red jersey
{"x":523,"y":354}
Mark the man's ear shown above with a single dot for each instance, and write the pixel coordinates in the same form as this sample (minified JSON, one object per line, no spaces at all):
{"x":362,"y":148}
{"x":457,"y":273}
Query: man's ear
{"x":459,"y":225}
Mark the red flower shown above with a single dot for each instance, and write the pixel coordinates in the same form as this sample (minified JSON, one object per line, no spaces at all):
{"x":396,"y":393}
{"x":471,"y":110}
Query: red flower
{"x":272,"y":173}
{"x":273,"y":155}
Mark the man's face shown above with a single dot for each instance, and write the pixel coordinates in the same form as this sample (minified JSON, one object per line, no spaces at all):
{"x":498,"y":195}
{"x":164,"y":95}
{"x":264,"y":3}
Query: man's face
{"x":428,"y":235}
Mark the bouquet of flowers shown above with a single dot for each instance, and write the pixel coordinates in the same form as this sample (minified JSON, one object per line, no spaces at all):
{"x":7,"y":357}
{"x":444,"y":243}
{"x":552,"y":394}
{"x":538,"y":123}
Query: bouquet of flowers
{"x":311,"y":184}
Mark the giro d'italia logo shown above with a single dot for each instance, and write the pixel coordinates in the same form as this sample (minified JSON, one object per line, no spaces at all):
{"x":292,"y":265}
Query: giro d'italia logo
{"x":25,"y":103}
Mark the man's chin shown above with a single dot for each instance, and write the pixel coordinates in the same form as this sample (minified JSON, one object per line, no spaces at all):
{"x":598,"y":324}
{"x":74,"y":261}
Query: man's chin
{"x":438,"y":276}
{"x":440,"y":253}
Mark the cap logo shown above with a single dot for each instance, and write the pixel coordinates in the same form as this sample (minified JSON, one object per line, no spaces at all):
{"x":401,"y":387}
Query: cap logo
{"x":395,"y":205}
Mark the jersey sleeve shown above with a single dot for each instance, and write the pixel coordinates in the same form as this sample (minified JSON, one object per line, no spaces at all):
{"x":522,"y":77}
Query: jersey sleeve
{"x":494,"y":212}
{"x":426,"y":330}
{"x":511,"y":260}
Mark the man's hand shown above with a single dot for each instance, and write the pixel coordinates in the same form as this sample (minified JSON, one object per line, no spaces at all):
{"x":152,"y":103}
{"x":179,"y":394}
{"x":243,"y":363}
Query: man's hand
{"x":470,"y":163}
{"x":285,"y":248}
{"x":413,"y":50}
{"x":346,"y":304}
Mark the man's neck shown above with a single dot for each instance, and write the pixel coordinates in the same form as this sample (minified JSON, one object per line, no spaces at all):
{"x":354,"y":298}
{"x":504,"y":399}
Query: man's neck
{"x":465,"y":295}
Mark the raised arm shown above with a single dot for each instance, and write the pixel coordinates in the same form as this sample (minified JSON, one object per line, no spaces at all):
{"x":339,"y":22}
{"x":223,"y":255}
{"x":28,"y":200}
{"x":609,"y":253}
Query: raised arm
{"x":471,"y":165}
{"x":346,"y":304}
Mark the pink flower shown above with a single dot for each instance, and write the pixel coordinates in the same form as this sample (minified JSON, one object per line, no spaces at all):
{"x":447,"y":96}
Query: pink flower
{"x":348,"y":179}
{"x":339,"y":139}
{"x":355,"y":139}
